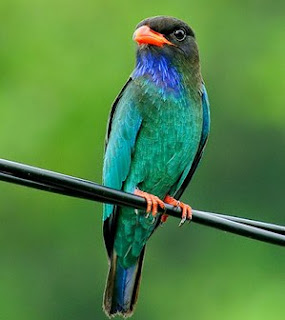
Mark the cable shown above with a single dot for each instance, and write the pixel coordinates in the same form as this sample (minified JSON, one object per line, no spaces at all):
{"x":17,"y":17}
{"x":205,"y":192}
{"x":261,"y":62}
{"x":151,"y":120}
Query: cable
{"x":51,"y":181}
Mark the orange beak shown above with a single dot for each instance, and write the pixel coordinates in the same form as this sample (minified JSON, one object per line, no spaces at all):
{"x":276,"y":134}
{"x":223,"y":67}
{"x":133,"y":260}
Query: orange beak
{"x":144,"y":35}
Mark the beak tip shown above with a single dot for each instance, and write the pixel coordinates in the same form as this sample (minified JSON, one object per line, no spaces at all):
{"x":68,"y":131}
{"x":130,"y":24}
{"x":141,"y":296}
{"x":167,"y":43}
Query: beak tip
{"x":145,"y":35}
{"x":140,"y":33}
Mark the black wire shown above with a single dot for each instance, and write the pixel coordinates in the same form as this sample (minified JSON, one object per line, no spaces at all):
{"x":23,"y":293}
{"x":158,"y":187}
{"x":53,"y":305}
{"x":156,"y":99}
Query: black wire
{"x":79,"y":194}
{"x":63,"y":184}
{"x":259,"y":224}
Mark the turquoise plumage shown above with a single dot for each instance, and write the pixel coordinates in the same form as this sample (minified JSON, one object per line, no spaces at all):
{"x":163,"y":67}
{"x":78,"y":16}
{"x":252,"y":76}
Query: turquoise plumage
{"x":156,"y":135}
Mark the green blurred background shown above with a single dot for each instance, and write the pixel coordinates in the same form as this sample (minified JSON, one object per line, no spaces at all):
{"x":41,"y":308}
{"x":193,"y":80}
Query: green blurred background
{"x":62,"y":63}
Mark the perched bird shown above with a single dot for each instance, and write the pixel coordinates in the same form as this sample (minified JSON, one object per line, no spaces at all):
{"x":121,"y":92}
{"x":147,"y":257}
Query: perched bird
{"x":157,"y":131}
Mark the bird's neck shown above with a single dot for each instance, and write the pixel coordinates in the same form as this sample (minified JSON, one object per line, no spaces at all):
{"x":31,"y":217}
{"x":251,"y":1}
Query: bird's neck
{"x":158,"y":69}
{"x":168,"y":77}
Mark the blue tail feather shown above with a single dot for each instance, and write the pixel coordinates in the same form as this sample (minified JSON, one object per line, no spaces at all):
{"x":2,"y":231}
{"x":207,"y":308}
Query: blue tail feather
{"x":125,"y":279}
{"x":122,"y":287}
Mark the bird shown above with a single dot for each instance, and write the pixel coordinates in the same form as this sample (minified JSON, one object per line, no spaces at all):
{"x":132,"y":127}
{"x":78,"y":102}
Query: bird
{"x":156,"y":134}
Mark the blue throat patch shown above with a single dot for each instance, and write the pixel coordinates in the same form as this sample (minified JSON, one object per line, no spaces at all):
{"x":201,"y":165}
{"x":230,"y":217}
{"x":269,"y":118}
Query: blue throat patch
{"x":159,"y":70}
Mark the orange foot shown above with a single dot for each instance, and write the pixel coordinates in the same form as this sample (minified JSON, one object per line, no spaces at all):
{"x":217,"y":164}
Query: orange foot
{"x":152,"y":202}
{"x":164,"y":217}
{"x":186,"y":209}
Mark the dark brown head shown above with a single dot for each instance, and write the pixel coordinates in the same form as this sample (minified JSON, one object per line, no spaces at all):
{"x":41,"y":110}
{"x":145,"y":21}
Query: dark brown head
{"x":167,"y":35}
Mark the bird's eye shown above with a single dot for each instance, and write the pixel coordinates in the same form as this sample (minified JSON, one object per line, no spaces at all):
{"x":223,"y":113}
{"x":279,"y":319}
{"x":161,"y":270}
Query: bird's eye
{"x":180,"y":34}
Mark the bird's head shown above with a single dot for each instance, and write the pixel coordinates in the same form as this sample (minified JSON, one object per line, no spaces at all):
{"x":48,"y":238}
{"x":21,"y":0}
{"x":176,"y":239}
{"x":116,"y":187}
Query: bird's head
{"x":167,"y":36}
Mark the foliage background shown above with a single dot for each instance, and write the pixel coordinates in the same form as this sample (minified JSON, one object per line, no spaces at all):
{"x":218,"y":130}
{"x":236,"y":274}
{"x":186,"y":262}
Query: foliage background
{"x":62,"y":63}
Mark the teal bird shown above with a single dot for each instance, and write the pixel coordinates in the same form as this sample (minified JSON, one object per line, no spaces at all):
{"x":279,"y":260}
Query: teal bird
{"x":157,"y":131}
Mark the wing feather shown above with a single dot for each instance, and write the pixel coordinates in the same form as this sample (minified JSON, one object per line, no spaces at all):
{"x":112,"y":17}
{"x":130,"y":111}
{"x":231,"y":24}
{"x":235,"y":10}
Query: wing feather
{"x":189,"y":171}
{"x":123,"y":127}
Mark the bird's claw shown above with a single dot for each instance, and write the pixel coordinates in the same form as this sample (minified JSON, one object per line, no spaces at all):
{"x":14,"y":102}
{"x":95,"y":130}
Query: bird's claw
{"x":152,"y":202}
{"x":182,"y":221}
{"x":163,"y":218}
{"x":186,"y":209}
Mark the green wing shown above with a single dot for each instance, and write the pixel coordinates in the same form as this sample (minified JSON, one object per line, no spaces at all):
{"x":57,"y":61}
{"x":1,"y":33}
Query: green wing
{"x":191,"y":168}
{"x":123,"y":127}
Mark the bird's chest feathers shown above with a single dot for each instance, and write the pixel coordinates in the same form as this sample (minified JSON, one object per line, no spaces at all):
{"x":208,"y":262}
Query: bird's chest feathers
{"x":167,"y":102}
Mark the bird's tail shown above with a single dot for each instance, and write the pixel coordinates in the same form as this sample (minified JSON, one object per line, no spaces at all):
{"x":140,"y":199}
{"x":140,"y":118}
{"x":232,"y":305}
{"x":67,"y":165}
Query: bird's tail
{"x":122,"y":287}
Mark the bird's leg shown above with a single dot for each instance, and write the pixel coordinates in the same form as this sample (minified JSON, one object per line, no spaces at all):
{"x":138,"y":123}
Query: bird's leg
{"x":152,"y":202}
{"x":186,"y":209}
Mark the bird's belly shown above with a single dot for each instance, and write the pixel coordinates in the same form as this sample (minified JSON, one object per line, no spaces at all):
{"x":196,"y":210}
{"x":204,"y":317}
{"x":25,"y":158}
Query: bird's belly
{"x":165,"y":146}
{"x":165,"y":163}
